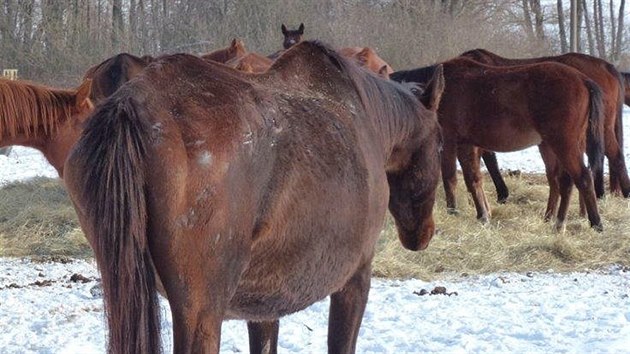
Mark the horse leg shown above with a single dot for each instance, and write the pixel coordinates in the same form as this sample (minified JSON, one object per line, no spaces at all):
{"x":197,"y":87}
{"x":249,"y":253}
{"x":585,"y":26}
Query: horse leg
{"x":346,"y":312}
{"x":449,"y":176}
{"x":263,"y":337}
{"x":566,"y":187}
{"x":490,"y":160}
{"x":619,"y":181}
{"x":583,"y":180}
{"x":552,"y":171}
{"x":469,"y":160}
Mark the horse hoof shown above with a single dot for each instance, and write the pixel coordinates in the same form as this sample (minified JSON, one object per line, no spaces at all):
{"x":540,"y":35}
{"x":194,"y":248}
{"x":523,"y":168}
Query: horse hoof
{"x":452,"y":211}
{"x":598,"y":227}
{"x":484,"y":220}
{"x":502,"y":200}
{"x":560,"y":227}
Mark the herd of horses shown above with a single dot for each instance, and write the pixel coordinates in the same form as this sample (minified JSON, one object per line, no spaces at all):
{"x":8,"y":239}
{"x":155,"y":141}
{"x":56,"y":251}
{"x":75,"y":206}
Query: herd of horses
{"x":245,"y":186}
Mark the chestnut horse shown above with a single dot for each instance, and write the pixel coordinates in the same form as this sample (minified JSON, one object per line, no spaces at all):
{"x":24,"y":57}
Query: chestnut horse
{"x":235,"y":50}
{"x":367,"y":57}
{"x":49,"y":120}
{"x":249,"y":196}
{"x":511,"y":108}
{"x":251,"y":63}
{"x":610,"y":81}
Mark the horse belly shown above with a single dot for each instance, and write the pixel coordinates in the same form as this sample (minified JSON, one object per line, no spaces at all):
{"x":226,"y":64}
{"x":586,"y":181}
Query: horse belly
{"x":508,"y":140}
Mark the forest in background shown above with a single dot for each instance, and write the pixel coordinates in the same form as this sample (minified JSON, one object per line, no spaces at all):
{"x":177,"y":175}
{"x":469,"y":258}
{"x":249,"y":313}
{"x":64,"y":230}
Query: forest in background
{"x":56,"y":41}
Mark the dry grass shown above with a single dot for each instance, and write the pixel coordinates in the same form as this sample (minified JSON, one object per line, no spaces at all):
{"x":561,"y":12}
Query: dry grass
{"x":37,"y":219}
{"x":516,"y":239}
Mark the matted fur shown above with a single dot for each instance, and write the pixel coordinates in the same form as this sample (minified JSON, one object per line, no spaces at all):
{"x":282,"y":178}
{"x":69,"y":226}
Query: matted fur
{"x":30,"y":110}
{"x":610,"y":81}
{"x":252,"y":195}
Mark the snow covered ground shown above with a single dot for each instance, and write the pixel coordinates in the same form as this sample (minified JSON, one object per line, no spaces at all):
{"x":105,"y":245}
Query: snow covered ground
{"x":44,"y":309}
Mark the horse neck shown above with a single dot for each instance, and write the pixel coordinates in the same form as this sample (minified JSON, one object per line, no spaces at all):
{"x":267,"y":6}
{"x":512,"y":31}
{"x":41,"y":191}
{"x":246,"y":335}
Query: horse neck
{"x":40,"y":122}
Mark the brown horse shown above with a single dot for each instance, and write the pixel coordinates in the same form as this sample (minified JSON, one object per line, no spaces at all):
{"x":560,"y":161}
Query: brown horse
{"x":367,"y":57}
{"x":511,"y":108}
{"x":249,"y":196}
{"x":235,"y":50}
{"x":626,"y":81}
{"x":49,"y":120}
{"x":610,"y":81}
{"x":251,"y":63}
{"x":113,"y":72}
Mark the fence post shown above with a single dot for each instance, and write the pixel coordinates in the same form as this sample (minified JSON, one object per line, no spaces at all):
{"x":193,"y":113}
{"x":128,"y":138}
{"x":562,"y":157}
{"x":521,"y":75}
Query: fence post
{"x":11,"y":74}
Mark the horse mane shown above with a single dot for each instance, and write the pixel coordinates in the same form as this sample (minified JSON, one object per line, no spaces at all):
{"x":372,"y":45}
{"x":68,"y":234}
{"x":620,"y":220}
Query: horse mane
{"x":30,"y":109}
{"x":382,"y":99}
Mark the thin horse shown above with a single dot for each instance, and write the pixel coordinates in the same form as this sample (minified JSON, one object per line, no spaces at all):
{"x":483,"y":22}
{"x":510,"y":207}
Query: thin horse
{"x":249,"y":196}
{"x":511,"y":108}
{"x":611,"y":83}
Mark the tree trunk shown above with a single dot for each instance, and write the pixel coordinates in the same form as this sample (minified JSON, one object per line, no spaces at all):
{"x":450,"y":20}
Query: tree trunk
{"x":589,"y":29}
{"x":117,"y":24}
{"x":527,"y":20}
{"x":562,"y":29}
{"x":619,"y":34}
{"x":538,"y":19}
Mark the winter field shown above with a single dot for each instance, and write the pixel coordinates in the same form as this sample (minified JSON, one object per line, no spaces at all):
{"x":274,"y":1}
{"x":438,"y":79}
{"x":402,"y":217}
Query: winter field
{"x":55,"y":307}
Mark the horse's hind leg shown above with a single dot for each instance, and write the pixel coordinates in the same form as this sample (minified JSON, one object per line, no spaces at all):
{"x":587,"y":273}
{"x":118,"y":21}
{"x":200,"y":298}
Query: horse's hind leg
{"x":490,"y":160}
{"x":566,"y":186}
{"x":263,"y":337}
{"x":346,"y":311}
{"x":583,"y":180}
{"x":469,"y":160}
{"x":552,"y":171}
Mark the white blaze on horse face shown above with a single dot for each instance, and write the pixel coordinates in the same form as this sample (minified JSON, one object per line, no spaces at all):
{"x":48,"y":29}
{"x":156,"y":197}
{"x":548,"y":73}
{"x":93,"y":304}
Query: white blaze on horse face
{"x":205,"y":159}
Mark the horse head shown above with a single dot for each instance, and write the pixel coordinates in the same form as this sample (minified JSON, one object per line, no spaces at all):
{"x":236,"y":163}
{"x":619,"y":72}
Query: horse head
{"x":292,"y":37}
{"x":414,"y":169}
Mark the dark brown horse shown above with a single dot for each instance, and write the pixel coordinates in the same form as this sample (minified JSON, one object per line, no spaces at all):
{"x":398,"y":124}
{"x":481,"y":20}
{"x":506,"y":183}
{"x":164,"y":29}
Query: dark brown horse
{"x":49,"y":120}
{"x":235,"y":50}
{"x":610,"y":81}
{"x":511,"y":108}
{"x":249,"y":196}
{"x":292,"y":37}
{"x":113,"y":72}
{"x":626,"y":82}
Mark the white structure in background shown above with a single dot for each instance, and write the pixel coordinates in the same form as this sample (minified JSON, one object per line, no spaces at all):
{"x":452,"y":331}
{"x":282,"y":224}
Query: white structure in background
{"x":11,"y":74}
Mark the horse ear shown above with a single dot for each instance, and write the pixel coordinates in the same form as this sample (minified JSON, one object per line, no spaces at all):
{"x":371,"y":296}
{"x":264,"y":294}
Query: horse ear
{"x":435,"y":88}
{"x":284,"y":29}
{"x":82,"y":96}
{"x":244,"y":67}
{"x":363,"y":55}
{"x":383,"y":72}
{"x":301,"y":29}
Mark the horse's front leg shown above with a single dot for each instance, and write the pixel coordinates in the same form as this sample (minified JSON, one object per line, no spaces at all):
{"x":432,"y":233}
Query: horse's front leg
{"x":263,"y":337}
{"x":346,"y":312}
{"x":469,"y":160}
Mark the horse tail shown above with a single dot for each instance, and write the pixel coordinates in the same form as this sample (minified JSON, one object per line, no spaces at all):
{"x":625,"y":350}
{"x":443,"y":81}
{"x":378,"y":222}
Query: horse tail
{"x":595,"y":136}
{"x":111,"y":158}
